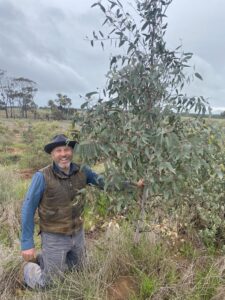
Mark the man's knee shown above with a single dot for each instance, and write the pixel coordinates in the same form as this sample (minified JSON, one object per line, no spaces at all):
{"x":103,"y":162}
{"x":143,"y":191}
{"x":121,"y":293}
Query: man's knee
{"x":33,"y":276}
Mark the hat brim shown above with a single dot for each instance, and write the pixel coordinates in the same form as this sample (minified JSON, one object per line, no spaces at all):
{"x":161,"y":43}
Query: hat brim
{"x":49,"y":147}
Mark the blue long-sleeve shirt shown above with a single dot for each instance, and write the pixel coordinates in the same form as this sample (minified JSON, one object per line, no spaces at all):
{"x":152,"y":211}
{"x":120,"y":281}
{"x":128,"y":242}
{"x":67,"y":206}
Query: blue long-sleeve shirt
{"x":34,"y":196}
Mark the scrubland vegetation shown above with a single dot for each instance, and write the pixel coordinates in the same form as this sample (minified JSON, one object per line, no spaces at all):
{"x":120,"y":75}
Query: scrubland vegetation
{"x":179,"y":255}
{"x":165,"y":241}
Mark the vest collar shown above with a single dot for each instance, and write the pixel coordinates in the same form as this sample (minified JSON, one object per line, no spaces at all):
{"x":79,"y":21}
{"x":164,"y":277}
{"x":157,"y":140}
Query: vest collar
{"x":74,"y":168}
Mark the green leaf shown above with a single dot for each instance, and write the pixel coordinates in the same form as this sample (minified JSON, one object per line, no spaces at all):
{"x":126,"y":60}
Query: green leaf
{"x":147,"y":153}
{"x":145,"y":25}
{"x":112,"y":4}
{"x":198,"y":76}
{"x":84,"y":105}
{"x":88,"y":95}
{"x":220,"y":174}
{"x":102,"y":7}
{"x":129,"y":163}
{"x":105,"y":22}
{"x":113,"y":60}
{"x":121,"y":43}
{"x":95,"y":4}
{"x":130,"y":48}
{"x":119,"y":3}
{"x":102,"y":35}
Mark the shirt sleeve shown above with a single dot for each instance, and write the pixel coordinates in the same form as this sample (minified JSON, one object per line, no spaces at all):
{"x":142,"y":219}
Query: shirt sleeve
{"x":30,"y":204}
{"x":93,"y":178}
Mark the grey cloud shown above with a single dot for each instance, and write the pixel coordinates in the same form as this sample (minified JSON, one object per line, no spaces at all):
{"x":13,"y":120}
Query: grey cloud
{"x":41,"y":51}
{"x":45,"y":41}
{"x":9,"y":13}
{"x":212,"y":85}
{"x":48,"y":45}
{"x":199,"y":27}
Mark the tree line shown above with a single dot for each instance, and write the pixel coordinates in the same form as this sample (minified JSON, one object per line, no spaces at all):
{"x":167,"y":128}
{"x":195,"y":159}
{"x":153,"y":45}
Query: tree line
{"x":17,"y":93}
{"x":17,"y":96}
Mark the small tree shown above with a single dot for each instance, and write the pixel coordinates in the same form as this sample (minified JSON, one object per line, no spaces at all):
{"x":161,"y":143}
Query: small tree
{"x":136,"y":127}
{"x":51,"y":104}
{"x":64,"y":103}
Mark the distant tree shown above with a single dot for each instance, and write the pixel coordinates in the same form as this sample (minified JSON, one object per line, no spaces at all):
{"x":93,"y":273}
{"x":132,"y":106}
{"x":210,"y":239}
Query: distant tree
{"x":223,"y":114}
{"x":33,"y":108}
{"x":7,"y":93}
{"x":51,"y":104}
{"x":60,"y":107}
{"x":17,"y":91}
{"x":64,"y":102}
{"x":3,"y":99}
{"x":24,"y":94}
{"x":10,"y":92}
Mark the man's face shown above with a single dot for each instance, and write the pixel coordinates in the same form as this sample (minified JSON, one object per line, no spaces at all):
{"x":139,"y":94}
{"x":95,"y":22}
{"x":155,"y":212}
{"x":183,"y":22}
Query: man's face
{"x":62,"y":156}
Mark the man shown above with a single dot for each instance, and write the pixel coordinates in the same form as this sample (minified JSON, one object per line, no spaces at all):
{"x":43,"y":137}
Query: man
{"x":57,"y":191}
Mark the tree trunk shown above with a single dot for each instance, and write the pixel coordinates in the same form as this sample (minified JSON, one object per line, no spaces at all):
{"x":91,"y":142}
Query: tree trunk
{"x":11,"y":111}
{"x":6,"y":112}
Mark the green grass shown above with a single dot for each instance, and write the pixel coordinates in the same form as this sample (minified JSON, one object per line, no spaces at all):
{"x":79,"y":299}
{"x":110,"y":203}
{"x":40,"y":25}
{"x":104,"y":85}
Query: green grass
{"x":160,"y":269}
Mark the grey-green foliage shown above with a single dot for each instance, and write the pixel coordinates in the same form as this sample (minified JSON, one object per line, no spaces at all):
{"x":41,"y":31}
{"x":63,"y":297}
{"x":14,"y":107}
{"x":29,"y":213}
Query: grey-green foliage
{"x":137,"y":128}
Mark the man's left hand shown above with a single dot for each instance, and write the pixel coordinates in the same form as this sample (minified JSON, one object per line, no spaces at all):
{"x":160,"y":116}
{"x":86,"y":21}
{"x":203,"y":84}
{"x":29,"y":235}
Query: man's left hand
{"x":141,"y":183}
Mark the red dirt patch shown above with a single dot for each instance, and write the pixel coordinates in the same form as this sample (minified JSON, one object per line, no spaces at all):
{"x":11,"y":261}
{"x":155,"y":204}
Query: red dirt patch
{"x":122,"y":288}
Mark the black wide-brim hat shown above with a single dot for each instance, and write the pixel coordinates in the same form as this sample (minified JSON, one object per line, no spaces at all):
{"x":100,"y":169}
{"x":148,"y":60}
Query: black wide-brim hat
{"x":59,"y":140}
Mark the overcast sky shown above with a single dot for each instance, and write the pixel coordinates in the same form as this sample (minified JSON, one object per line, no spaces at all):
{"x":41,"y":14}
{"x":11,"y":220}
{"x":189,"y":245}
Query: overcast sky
{"x":44,"y":40}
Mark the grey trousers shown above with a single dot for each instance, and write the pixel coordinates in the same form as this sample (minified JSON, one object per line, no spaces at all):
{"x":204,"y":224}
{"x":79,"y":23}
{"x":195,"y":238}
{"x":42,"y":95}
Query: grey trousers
{"x":59,"y":253}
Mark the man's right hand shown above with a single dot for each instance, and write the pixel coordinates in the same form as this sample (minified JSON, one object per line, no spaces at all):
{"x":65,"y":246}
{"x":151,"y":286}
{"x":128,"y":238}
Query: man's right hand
{"x":29,"y":254}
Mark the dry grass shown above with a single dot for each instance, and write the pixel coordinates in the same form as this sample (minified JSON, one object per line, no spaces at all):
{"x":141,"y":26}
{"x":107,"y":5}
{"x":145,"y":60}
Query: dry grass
{"x":116,"y":269}
{"x":10,"y":269}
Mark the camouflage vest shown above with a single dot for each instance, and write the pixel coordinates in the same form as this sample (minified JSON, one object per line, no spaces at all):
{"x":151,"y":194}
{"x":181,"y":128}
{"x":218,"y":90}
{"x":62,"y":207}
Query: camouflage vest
{"x":61,"y":207}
